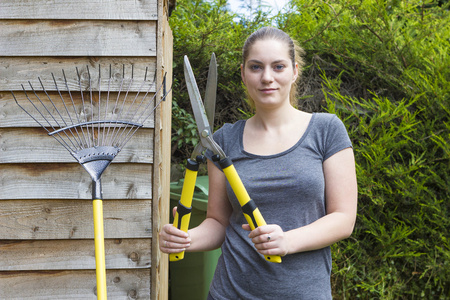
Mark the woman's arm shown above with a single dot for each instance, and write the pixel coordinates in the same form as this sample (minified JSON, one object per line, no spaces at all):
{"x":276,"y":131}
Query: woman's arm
{"x":210,"y":234}
{"x":337,"y":224}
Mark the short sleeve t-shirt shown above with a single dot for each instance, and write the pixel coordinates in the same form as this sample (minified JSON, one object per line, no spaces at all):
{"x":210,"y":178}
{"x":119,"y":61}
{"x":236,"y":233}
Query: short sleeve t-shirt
{"x":289,"y":190}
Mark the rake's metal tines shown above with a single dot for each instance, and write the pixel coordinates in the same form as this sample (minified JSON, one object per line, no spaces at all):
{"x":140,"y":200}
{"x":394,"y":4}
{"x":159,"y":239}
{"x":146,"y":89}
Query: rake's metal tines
{"x":86,"y":119}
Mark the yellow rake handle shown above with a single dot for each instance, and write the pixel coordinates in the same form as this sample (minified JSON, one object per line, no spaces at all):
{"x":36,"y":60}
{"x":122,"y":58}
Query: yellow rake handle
{"x":99,"y":249}
{"x":184,"y":208}
{"x":249,"y":208}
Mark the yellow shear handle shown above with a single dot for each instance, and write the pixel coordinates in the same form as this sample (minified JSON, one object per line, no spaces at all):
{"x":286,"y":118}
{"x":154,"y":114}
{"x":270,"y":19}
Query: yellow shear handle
{"x":184,"y":208}
{"x":99,"y":240}
{"x":249,"y":208}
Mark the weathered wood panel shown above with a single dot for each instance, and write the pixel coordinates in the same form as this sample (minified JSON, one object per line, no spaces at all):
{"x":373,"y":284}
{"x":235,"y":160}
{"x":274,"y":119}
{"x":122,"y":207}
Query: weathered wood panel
{"x":73,"y":219}
{"x":161,"y":198}
{"x":71,"y":181}
{"x":33,"y":145}
{"x":79,"y":9}
{"x":73,"y":254}
{"x":46,"y":229}
{"x":74,"y":38}
{"x":61,"y":285}
{"x":11,"y":115}
{"x":15,"y":71}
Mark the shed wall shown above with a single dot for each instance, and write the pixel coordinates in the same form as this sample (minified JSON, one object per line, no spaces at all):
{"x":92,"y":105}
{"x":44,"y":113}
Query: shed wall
{"x":46,"y":219}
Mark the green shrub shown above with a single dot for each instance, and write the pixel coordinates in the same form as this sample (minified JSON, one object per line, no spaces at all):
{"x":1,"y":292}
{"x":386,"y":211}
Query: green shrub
{"x":384,"y":68}
{"x":400,"y":247}
{"x":201,"y":28}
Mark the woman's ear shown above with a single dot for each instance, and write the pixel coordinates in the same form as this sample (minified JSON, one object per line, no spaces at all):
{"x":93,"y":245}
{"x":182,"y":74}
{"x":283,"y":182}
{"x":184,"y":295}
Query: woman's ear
{"x":243,"y":74}
{"x":294,"y":78}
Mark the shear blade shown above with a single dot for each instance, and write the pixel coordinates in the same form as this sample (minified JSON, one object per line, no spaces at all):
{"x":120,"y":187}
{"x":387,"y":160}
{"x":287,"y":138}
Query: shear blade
{"x":211,"y":91}
{"x":196,"y":101}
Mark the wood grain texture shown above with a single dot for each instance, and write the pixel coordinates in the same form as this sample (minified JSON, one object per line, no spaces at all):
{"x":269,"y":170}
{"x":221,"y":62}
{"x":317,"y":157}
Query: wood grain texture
{"x":77,"y":38}
{"x":15,"y":71}
{"x":71,"y":181}
{"x":161,"y":197}
{"x":33,"y":145}
{"x":79,"y":9}
{"x":11,"y":115}
{"x":73,"y":219}
{"x":46,"y":220}
{"x":73,"y":254}
{"x":61,"y":285}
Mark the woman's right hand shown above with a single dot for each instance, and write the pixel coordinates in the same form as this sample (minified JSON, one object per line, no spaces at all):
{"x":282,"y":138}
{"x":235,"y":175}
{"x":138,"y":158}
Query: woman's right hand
{"x":172,"y":239}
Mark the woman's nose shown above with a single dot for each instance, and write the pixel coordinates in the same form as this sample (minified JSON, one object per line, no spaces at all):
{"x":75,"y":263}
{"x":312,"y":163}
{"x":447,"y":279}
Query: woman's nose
{"x":267,"y":75}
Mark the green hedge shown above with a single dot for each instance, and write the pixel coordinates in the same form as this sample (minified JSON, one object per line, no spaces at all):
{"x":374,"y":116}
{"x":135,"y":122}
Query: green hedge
{"x":384,"y":68}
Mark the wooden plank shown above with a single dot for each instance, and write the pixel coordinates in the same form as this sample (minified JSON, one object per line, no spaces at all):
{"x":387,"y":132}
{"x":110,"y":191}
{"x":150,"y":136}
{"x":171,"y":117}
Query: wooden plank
{"x":71,"y":181}
{"x":15,"y":71}
{"x":73,"y":219}
{"x":77,"y":38}
{"x":79,"y":9}
{"x":73,"y":254}
{"x":11,"y":115}
{"x":161,"y":197}
{"x":61,"y":285}
{"x":33,"y":145}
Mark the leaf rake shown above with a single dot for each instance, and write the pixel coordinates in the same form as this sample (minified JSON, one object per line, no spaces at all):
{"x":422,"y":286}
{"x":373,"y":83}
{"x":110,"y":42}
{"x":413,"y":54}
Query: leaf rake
{"x":93,"y":120}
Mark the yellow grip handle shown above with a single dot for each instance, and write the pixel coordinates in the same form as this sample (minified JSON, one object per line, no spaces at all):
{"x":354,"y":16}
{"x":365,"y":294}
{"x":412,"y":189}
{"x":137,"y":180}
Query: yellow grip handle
{"x":183,"y":214}
{"x":251,"y":212}
{"x":99,"y":240}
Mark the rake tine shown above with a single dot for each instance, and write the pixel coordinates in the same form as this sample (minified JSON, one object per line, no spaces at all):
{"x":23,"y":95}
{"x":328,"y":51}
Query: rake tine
{"x":119,"y":137}
{"x":151,"y":112}
{"x":99,"y":104}
{"x":59,"y":113}
{"x":143,"y":99}
{"x":88,"y":140}
{"x":26,"y":95}
{"x":149,"y":102}
{"x":75,"y":111}
{"x":51,"y":101}
{"x":61,"y":140}
{"x":77,"y":135}
{"x":115,"y":108}
{"x":106,"y":109}
{"x":92,"y":105}
{"x":130,"y":134}
{"x":114,"y":134}
{"x":31,"y":116}
{"x":43,"y":105}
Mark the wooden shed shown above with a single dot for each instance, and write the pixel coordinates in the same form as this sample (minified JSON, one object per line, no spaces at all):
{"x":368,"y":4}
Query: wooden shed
{"x":46,"y":227}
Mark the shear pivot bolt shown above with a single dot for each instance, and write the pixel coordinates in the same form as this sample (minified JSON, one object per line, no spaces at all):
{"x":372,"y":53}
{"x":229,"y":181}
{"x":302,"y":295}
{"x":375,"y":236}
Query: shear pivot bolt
{"x":205,"y":133}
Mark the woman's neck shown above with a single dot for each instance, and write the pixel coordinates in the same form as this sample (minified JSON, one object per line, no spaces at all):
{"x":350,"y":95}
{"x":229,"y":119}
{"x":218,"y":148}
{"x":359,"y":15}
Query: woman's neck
{"x":271,"y":119}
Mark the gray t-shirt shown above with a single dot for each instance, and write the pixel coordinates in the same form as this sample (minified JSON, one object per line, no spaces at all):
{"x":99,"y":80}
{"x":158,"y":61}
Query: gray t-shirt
{"x":289,"y":190}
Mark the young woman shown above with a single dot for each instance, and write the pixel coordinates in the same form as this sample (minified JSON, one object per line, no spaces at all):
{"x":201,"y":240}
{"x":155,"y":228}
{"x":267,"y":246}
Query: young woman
{"x":297,"y":167}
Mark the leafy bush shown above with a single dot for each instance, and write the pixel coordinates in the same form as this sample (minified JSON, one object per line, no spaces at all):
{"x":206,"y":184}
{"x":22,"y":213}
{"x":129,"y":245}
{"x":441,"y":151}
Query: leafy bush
{"x":383,"y":67}
{"x":201,"y":28}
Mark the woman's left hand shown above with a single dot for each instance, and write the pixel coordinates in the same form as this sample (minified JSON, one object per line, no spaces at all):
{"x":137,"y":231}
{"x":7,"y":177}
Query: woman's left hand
{"x":269,"y":239}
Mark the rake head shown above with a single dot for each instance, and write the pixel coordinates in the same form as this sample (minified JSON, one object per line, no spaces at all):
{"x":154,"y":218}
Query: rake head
{"x":92,"y":119}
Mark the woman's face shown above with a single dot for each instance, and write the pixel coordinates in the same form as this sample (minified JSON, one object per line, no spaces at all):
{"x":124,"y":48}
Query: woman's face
{"x":268,"y":73}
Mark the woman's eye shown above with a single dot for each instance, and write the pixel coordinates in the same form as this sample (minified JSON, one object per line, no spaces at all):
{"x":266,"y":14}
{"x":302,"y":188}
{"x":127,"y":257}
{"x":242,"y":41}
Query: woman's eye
{"x":279,"y":67}
{"x":255,"y":67}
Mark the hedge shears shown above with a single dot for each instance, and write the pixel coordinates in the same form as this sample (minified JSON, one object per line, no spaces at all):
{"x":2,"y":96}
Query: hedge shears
{"x":204,"y":117}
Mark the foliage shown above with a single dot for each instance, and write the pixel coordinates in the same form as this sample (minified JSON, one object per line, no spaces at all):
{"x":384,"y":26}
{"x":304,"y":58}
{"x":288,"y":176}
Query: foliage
{"x":384,"y":68}
{"x":201,"y":28}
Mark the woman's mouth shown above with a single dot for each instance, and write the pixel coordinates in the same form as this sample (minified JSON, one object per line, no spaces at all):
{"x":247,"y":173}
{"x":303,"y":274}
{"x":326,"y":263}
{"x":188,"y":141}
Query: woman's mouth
{"x":268,"y":90}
